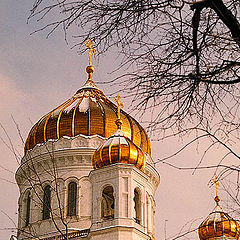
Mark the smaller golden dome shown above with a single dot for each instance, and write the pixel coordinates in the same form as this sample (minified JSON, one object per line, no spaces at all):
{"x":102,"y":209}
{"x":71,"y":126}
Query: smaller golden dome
{"x":218,"y":224}
{"x":118,"y":149}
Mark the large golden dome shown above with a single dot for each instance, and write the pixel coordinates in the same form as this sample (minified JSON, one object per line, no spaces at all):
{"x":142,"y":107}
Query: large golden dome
{"x":88,"y":112}
{"x":118,"y":149}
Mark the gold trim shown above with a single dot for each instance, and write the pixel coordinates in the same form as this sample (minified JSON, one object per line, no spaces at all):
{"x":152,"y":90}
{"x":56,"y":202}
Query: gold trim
{"x":109,"y":152}
{"x":89,"y":115}
{"x":73,"y":117}
{"x":45,"y":125}
{"x":48,"y":117}
{"x":119,"y":150}
{"x":60,"y":114}
{"x":36,"y":128}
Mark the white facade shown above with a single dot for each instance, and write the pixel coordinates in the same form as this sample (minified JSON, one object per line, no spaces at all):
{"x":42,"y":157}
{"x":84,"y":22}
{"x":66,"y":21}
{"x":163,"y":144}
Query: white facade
{"x":69,"y":160}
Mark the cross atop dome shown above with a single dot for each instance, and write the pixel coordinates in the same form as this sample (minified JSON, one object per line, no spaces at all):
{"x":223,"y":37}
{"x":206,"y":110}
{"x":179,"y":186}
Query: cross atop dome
{"x":91,"y":50}
{"x":119,"y":148}
{"x":216,"y":182}
{"x":218,"y":224}
{"x":117,"y":99}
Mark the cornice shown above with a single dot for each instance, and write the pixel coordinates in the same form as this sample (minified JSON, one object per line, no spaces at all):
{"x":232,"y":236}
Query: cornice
{"x":79,"y":142}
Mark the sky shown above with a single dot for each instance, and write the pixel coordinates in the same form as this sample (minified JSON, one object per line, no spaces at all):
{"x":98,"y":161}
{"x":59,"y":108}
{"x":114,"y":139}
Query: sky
{"x":36,"y":75}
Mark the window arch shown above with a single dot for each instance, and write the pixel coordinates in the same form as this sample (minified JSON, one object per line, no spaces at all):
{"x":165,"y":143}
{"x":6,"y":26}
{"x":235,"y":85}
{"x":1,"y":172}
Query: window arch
{"x":46,"y":202}
{"x":27,"y":209}
{"x":107,"y":204}
{"x":72,"y":199}
{"x":137,"y":206}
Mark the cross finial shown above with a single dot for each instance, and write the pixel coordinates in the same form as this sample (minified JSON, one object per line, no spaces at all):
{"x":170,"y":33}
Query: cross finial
{"x":117,"y":99}
{"x":215,"y":180}
{"x":91,"y":50}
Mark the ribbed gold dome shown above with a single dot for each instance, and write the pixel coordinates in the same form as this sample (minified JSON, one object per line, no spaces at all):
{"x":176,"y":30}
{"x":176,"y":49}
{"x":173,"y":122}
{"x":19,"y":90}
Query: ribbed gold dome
{"x":118,"y":149}
{"x":88,"y":112}
{"x":219,"y":224}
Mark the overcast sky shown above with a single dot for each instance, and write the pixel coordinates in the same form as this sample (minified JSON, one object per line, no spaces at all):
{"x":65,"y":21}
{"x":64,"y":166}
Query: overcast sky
{"x":38,"y":74}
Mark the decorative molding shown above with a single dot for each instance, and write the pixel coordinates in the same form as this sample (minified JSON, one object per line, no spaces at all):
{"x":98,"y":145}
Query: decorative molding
{"x":51,"y":146}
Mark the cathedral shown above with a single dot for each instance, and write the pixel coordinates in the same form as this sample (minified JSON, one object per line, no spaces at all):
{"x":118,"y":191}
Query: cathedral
{"x":88,"y":173}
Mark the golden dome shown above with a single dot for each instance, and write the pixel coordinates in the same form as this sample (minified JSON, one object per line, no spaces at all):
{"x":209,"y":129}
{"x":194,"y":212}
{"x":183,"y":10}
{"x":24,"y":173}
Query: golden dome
{"x":118,"y":149}
{"x":88,"y":112}
{"x":218,"y":224}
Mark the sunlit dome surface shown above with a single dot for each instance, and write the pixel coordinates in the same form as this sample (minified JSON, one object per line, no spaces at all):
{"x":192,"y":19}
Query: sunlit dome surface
{"x":219,"y":225}
{"x":118,"y":149}
{"x":88,"y":112}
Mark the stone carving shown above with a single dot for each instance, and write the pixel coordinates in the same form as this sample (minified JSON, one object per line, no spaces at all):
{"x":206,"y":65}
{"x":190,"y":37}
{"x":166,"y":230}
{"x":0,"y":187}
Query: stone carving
{"x":79,"y":143}
{"x":79,"y":158}
{"x":63,"y":143}
{"x":95,"y":143}
{"x":86,"y":158}
{"x":61,"y":160}
{"x":70,"y":160}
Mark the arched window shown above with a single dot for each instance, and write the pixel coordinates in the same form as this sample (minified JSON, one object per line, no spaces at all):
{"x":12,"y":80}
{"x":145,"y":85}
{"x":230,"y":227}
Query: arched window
{"x":46,"y":202}
{"x":107,"y":204}
{"x":137,"y":206}
{"x":72,"y":199}
{"x":27,"y":212}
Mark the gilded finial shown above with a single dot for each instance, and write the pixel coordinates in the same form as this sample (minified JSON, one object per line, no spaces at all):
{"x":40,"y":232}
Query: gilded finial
{"x":91,"y":50}
{"x":217,"y":198}
{"x":117,"y":99}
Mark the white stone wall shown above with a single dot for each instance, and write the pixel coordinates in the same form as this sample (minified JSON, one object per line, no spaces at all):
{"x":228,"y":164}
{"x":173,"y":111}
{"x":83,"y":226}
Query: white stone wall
{"x":57,"y":163}
{"x":124,"y":178}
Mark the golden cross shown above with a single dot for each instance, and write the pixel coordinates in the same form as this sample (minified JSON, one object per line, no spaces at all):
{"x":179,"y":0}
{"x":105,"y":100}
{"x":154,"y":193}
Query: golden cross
{"x":91,"y":50}
{"x":215,"y":180}
{"x":117,"y":99}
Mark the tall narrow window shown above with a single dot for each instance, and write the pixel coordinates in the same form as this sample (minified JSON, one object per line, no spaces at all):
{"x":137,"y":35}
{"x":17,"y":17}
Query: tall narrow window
{"x":46,"y":202}
{"x":72,"y":199}
{"x":27,"y":213}
{"x":137,"y":206}
{"x":107,"y":204}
